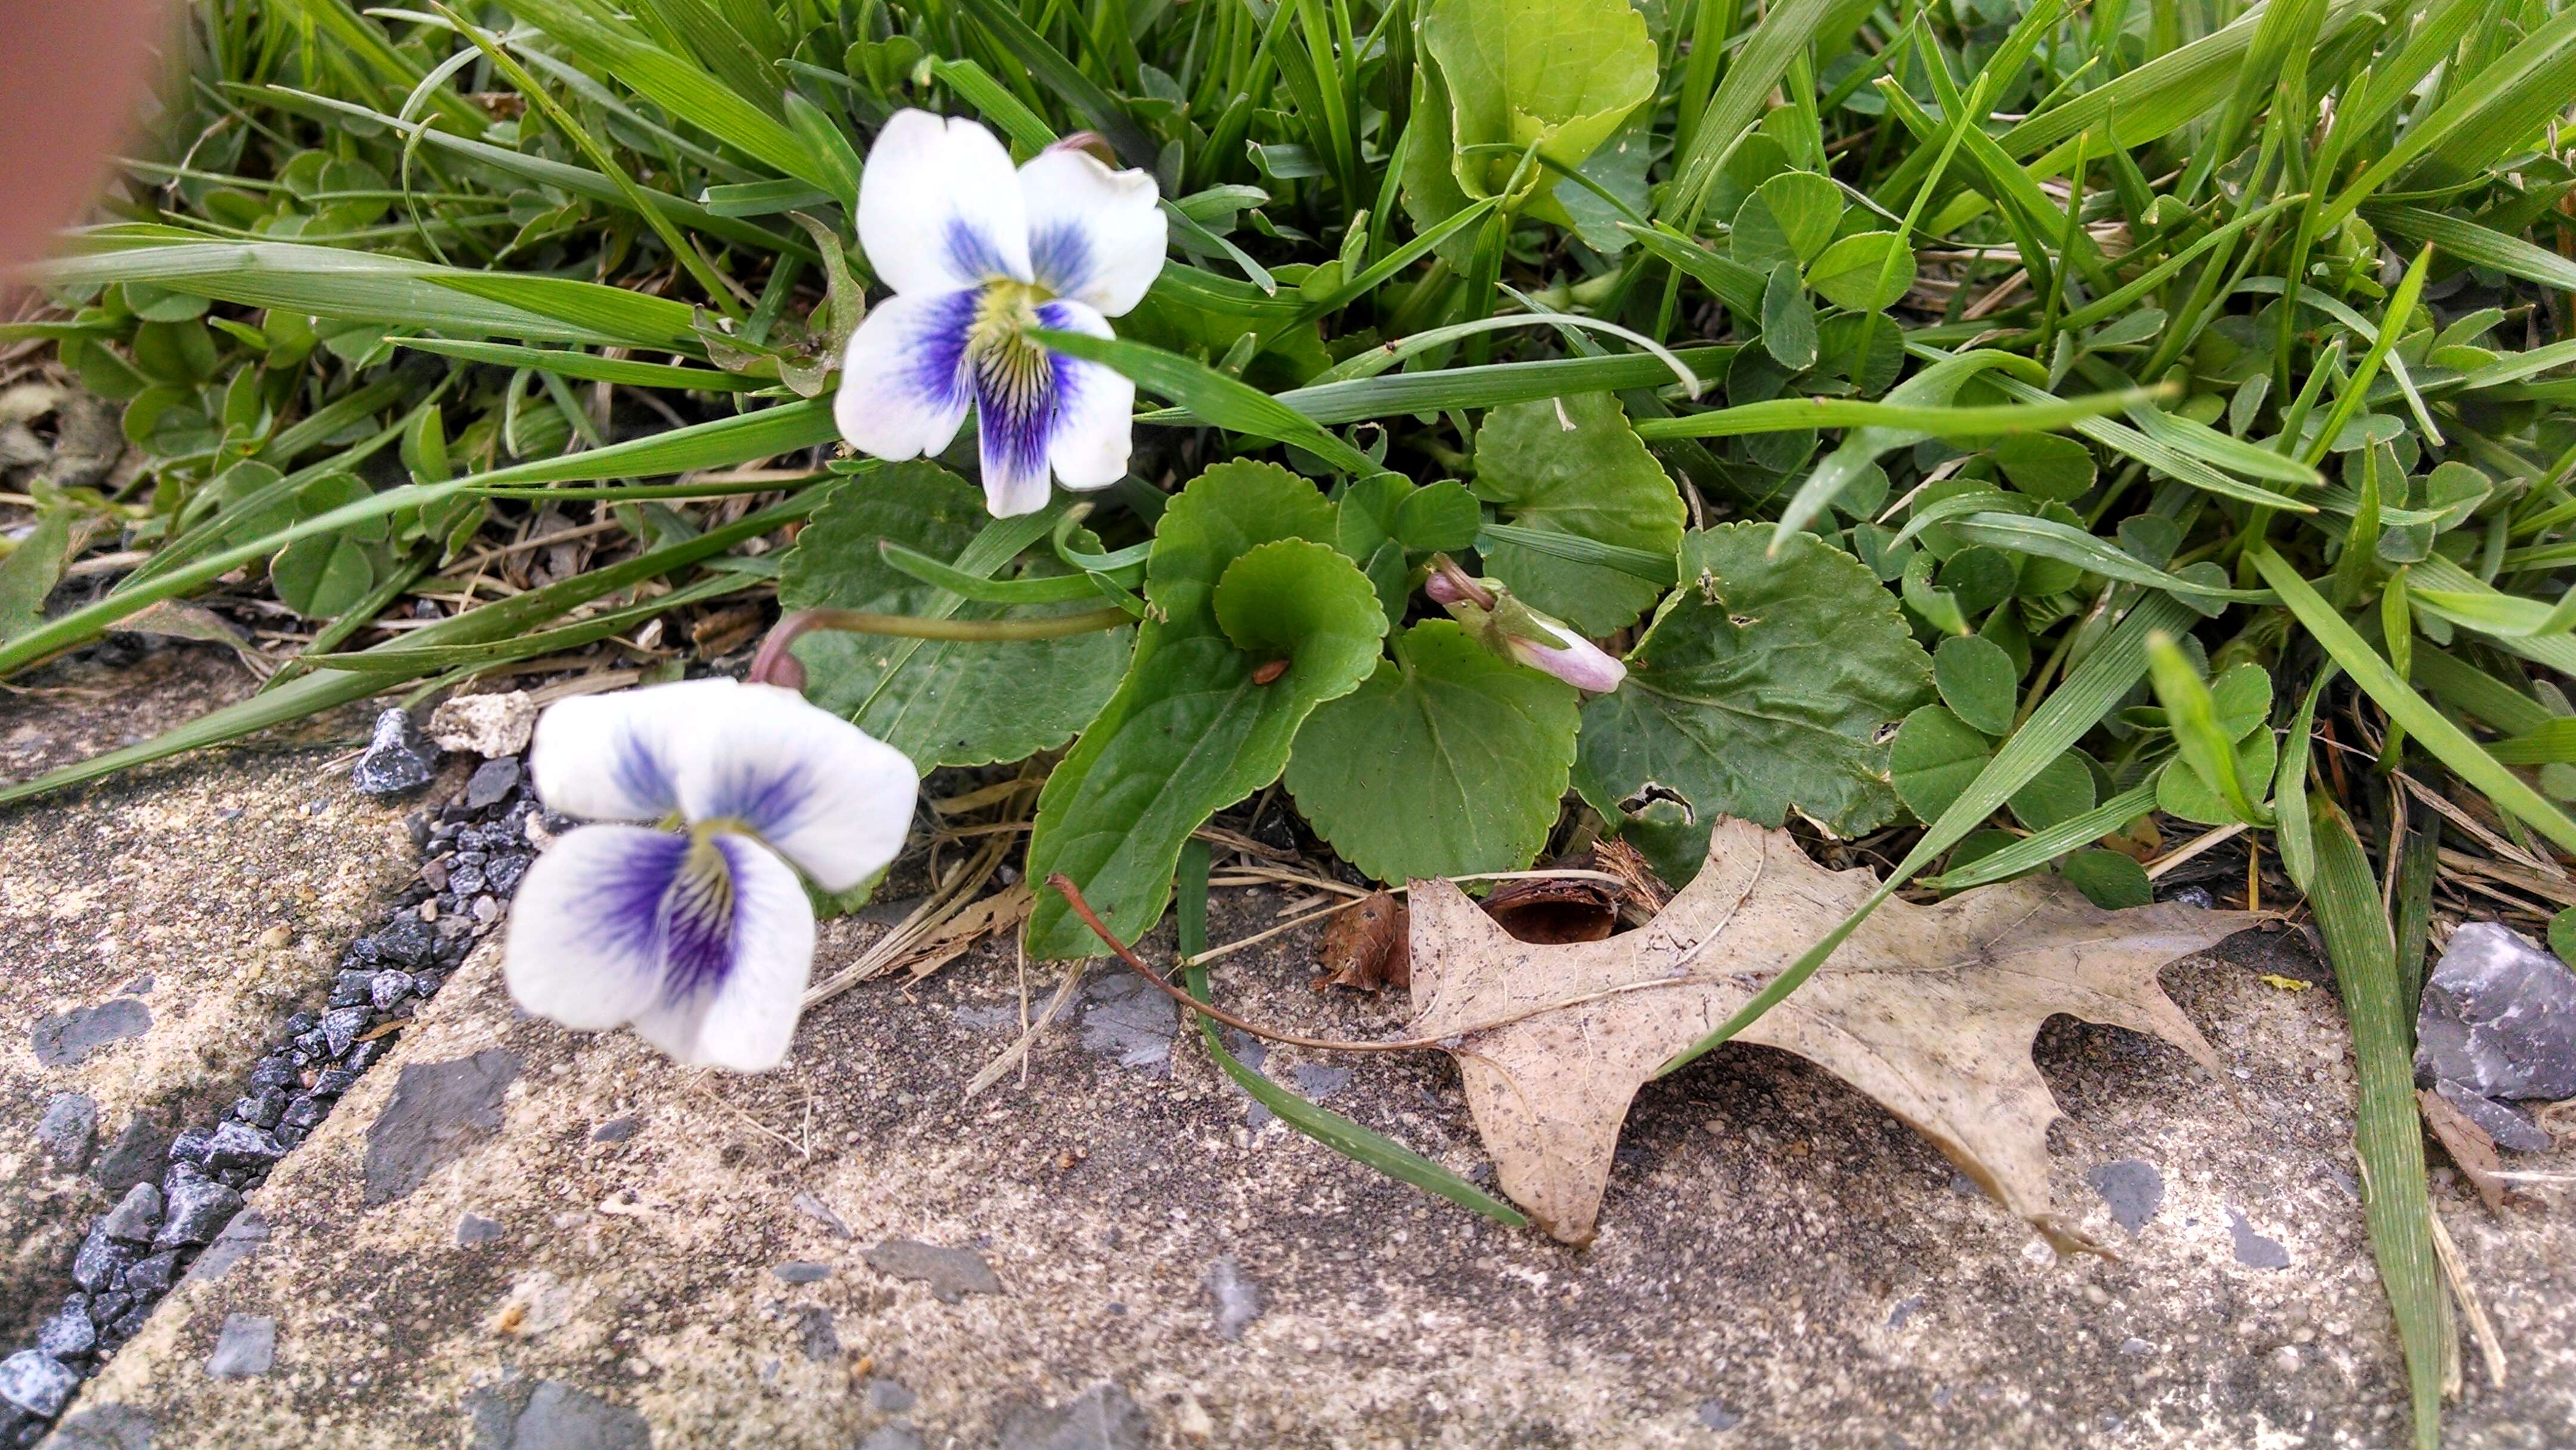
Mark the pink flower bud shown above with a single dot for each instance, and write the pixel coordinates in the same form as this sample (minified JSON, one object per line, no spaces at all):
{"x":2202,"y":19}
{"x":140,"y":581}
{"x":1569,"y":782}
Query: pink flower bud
{"x":1580,"y":663}
{"x":1442,"y":589}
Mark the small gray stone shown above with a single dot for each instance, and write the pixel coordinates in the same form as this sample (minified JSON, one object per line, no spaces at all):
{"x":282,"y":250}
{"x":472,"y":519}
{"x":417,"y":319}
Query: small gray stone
{"x":198,"y":1210}
{"x":136,"y":1215}
{"x":617,"y":1130}
{"x":340,"y":1028}
{"x":1103,"y":1417}
{"x":37,"y":1383}
{"x":68,"y":1334}
{"x":2253,"y":1250}
{"x":2136,"y":1346}
{"x":134,"y":1155}
{"x":1317,"y":1081}
{"x":1716,"y":1416}
{"x":2499,"y":1017}
{"x":2508,"y":1125}
{"x":474,"y":1228}
{"x":98,"y":1259}
{"x":239,"y":1145}
{"x":884,"y":1394}
{"x":821,"y":1212}
{"x":1125,"y":1019}
{"x":816,"y":1336}
{"x":151,"y":1277}
{"x":893,"y":1437}
{"x":69,"y":1129}
{"x":1903,"y":1311}
{"x":104,"y":1427}
{"x":951,"y":1273}
{"x":2132,"y":1187}
{"x":64,"y":1039}
{"x":801,"y":1271}
{"x":1238,"y":1298}
{"x":559,"y":1417}
{"x":438,"y":1112}
{"x":246,"y":1349}
{"x":241,"y":1238}
{"x":395,"y":761}
{"x":388,"y":987}
{"x":492,"y":783}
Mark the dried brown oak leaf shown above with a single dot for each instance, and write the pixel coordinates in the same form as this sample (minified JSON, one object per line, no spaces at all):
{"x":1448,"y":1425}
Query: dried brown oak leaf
{"x":1929,"y":1009}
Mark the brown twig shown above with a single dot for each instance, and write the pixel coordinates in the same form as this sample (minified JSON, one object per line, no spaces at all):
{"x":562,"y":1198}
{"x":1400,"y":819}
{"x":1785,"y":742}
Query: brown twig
{"x":1447,"y":1042}
{"x":1081,"y":908}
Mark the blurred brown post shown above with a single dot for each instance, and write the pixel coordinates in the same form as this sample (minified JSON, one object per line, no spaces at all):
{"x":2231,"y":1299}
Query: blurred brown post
{"x":73,"y":76}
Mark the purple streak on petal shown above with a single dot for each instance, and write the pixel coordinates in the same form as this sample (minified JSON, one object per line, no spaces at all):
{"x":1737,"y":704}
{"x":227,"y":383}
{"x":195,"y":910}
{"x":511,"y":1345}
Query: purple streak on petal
{"x":938,"y":370}
{"x":972,"y":253}
{"x":767,"y":793}
{"x":1061,"y":256}
{"x":627,"y":892}
{"x":641,"y":772}
{"x":699,"y":922}
{"x":1020,"y":391}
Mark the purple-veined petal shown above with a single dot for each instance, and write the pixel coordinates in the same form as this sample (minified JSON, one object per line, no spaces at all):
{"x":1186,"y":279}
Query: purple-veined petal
{"x":905,"y":385}
{"x":1581,"y":663}
{"x":585,"y":941}
{"x":1018,"y":386}
{"x":740,"y":939}
{"x":939,"y":207}
{"x":824,"y":793}
{"x":1095,"y":407}
{"x":1095,"y":235}
{"x":617,"y":757}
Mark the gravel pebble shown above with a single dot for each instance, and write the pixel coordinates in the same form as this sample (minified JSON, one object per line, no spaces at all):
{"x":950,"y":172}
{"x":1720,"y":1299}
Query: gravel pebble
{"x":135,"y":1216}
{"x":69,"y":1129}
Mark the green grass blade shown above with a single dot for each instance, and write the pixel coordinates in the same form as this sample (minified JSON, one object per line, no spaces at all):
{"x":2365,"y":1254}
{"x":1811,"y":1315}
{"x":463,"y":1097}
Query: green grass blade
{"x":2386,"y":1133}
{"x":2092,"y":691}
{"x":2432,"y":729}
{"x":721,"y":444}
{"x":495,"y":622}
{"x":2042,"y":847}
{"x":1210,"y":397}
{"x":1360,"y":1145}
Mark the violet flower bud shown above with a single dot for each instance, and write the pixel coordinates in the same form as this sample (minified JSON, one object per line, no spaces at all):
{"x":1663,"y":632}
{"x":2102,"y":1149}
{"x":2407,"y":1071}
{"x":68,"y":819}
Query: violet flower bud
{"x":1580,"y":662}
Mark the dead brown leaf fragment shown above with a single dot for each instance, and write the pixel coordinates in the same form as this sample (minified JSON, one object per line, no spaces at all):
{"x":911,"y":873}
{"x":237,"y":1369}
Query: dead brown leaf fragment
{"x":2471,"y":1150}
{"x":1929,"y":1009}
{"x":1365,"y":947}
{"x":1572,"y":908}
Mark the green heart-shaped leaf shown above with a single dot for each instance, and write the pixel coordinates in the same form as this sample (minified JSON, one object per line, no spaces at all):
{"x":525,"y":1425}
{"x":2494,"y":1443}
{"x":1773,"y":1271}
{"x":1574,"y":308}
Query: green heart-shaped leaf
{"x":1594,"y":480}
{"x":1449,"y":759}
{"x":1244,"y":584}
{"x":941,"y":702}
{"x":1767,"y":682}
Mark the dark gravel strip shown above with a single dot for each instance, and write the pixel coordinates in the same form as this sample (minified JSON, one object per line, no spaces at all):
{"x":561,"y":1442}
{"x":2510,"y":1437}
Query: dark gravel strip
{"x":192,"y":1220}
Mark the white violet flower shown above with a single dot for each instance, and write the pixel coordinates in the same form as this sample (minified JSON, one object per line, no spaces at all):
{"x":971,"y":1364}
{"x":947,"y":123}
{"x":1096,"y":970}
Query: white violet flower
{"x":693,"y":928}
{"x":977,"y":256}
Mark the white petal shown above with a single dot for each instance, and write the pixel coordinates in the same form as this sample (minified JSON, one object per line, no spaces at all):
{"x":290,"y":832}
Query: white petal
{"x":745,"y":1019}
{"x":616,"y":757}
{"x":585,"y":942}
{"x":904,"y":384}
{"x":1095,"y":408}
{"x":823,"y":792}
{"x":1095,"y":234}
{"x":939,"y":208}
